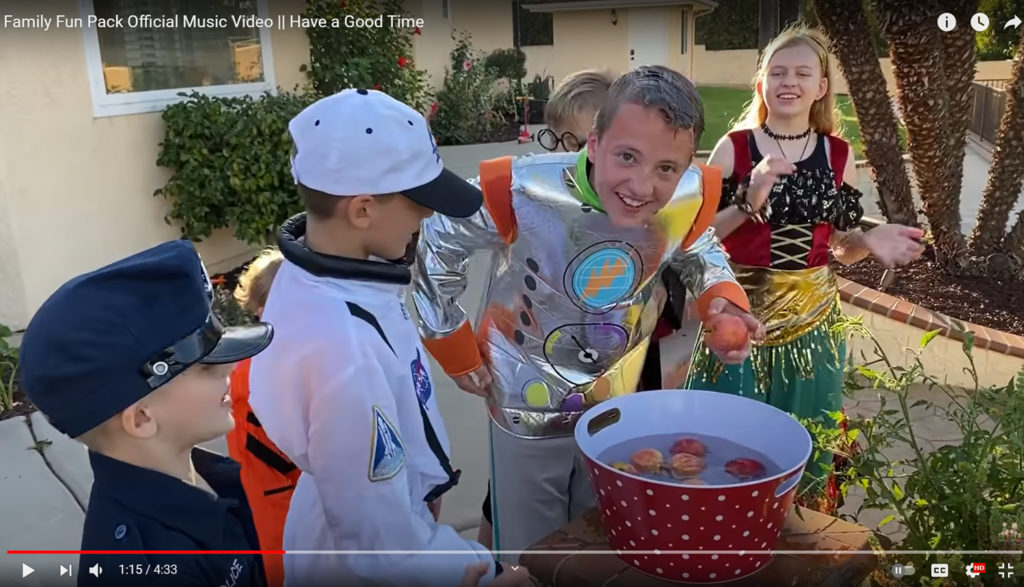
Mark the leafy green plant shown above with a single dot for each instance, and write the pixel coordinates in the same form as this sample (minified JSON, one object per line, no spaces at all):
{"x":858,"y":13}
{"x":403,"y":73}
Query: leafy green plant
{"x":465,"y":107}
{"x":508,"y":65}
{"x":964,"y":495}
{"x":230,"y":162}
{"x":540,"y":87}
{"x":509,"y":68}
{"x":364,"y":56}
{"x":8,"y":370}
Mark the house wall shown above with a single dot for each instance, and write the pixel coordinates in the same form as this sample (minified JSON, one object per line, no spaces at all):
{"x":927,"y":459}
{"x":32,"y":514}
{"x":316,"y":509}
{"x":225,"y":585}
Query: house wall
{"x":76,"y":192}
{"x":582,"y":38}
{"x":738,"y":67}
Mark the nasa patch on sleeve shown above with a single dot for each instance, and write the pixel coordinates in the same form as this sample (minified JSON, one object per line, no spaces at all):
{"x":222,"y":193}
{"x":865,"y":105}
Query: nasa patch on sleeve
{"x":387,"y":455}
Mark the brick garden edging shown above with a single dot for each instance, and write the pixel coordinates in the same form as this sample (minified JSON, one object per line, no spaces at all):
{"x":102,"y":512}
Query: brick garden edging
{"x":918,"y":316}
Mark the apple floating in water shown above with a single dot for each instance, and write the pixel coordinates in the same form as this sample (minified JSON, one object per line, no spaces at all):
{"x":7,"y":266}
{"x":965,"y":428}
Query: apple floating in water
{"x":647,"y":460}
{"x":690,"y":446}
{"x":745,"y":468}
{"x":624,"y":467}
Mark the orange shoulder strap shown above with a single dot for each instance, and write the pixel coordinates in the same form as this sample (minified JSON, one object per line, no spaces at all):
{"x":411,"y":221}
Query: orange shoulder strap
{"x":496,"y":184}
{"x":711,"y":178}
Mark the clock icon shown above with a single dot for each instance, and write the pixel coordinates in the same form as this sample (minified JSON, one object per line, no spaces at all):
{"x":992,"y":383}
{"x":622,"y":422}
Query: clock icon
{"x":979,"y":22}
{"x":579,"y":353}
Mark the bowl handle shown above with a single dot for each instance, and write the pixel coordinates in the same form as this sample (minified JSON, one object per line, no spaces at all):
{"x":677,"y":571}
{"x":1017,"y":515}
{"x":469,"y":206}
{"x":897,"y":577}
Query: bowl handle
{"x":602,"y":421}
{"x":789,"y":482}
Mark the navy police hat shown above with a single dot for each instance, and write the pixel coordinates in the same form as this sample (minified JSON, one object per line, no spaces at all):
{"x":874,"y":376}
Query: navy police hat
{"x":108,"y":338}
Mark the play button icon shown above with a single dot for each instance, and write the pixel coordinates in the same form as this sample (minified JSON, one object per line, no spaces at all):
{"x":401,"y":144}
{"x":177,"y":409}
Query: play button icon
{"x":26,"y":570}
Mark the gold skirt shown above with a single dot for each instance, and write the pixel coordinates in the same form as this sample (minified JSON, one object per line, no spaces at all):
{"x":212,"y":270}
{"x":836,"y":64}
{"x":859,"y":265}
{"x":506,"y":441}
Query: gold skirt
{"x":799,"y":309}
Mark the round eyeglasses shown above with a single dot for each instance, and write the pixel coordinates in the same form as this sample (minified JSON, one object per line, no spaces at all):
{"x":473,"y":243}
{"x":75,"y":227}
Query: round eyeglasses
{"x":551,"y":141}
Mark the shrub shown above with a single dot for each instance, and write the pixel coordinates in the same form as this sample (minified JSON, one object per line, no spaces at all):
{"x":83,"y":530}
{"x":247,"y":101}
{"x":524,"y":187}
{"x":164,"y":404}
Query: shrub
{"x":364,"y":57}
{"x":540,"y":87}
{"x":465,"y":103}
{"x":230,"y":158}
{"x":507,"y":64}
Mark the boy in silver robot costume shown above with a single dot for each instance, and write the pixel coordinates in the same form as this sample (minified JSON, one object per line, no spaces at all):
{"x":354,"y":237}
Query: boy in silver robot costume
{"x":572,"y":298}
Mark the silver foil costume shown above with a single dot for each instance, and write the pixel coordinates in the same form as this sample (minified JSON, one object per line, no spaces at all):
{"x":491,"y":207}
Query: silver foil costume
{"x":571,"y":303}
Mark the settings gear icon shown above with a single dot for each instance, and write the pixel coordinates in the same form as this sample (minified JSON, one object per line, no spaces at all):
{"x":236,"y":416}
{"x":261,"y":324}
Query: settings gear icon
{"x":971,"y":572}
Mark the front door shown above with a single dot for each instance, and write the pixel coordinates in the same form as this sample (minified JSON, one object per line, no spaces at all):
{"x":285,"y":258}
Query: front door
{"x":648,"y":36}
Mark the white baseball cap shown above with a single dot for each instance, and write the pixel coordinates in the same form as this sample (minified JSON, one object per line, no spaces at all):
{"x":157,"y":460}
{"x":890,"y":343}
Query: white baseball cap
{"x":364,"y":142}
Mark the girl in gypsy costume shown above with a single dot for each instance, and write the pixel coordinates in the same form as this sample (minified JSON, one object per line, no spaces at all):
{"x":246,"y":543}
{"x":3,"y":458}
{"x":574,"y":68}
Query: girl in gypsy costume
{"x":788,"y":201}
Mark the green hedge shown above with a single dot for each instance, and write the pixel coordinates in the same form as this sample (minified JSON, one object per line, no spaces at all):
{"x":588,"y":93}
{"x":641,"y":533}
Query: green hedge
{"x":732,"y":25}
{"x":231,"y":165}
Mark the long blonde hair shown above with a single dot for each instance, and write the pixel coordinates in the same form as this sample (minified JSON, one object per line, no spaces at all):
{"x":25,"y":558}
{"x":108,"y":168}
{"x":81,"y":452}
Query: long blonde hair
{"x":254,"y":284}
{"x":824,"y":112}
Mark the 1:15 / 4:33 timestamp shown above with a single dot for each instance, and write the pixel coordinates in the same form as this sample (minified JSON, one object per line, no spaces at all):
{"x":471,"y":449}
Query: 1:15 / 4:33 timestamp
{"x":142,"y":570}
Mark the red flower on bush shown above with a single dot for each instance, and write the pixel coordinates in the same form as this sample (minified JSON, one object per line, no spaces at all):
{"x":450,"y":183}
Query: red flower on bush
{"x":343,"y":3}
{"x":433,"y":111}
{"x":417,"y":31}
{"x":467,"y":65}
{"x":376,"y":86}
{"x":402,"y":61}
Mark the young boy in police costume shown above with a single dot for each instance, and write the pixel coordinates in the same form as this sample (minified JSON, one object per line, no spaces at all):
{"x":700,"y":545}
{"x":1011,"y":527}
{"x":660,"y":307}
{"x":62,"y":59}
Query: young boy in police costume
{"x":345,"y":391}
{"x":579,"y":239}
{"x":130,"y":360}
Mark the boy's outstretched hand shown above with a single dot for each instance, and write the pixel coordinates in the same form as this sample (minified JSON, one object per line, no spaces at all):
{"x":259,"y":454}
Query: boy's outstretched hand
{"x":755,"y":330}
{"x":477,"y":382}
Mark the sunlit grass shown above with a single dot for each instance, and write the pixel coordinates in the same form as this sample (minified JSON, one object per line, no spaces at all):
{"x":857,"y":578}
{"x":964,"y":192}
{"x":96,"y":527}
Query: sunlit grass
{"x":722,"y":106}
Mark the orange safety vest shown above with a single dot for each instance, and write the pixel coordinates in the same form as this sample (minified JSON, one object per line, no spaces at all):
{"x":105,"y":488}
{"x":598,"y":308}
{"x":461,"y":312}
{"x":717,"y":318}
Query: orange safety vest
{"x":268,"y":477}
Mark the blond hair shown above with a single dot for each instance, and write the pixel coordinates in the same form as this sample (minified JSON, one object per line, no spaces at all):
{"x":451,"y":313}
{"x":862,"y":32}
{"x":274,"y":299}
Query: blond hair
{"x":254,"y":283}
{"x":577,"y":93}
{"x":824,"y":111}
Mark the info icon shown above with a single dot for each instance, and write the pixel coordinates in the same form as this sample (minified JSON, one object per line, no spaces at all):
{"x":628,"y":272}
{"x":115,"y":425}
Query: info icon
{"x":947,"y":22}
{"x":940,"y":570}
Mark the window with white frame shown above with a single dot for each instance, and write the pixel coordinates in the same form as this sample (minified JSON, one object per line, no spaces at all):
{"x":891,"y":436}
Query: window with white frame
{"x":161,"y":48}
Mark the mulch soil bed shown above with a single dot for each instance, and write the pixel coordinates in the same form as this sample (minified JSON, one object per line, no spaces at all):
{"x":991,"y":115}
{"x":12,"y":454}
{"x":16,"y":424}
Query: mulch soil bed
{"x":995,"y":303}
{"x":22,"y":407}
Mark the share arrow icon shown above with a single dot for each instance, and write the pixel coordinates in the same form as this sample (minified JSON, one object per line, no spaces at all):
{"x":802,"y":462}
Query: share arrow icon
{"x":1013,"y":22}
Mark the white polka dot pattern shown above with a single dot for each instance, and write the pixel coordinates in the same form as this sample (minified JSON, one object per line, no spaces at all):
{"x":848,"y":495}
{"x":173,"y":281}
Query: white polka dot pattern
{"x":735,"y":525}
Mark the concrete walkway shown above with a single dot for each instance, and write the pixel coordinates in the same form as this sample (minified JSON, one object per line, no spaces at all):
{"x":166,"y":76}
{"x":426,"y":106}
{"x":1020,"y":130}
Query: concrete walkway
{"x":45,"y":477}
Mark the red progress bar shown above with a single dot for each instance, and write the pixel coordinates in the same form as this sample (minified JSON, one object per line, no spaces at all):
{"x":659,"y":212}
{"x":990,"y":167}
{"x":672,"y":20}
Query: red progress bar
{"x":130,"y":552}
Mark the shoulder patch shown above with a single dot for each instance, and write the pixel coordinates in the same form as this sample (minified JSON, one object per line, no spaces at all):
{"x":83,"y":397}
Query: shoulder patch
{"x":387,"y":454}
{"x":421,"y":380}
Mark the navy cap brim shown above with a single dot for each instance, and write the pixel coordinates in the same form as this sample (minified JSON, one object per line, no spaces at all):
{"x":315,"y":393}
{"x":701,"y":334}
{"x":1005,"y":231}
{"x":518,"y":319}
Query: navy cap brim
{"x":448,"y":194}
{"x":238,"y":343}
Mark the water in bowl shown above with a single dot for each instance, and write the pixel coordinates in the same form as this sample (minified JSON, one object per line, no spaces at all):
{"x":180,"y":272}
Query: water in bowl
{"x":718,"y":452}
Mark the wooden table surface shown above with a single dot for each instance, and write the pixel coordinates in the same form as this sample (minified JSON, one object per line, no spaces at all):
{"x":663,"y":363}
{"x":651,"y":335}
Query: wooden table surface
{"x":560,"y":560}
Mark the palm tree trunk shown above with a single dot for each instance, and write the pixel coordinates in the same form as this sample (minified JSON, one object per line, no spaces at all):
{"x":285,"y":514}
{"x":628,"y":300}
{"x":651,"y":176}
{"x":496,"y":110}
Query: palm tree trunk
{"x":844,"y":22}
{"x":959,"y":61}
{"x":917,"y":58}
{"x":1006,"y":173}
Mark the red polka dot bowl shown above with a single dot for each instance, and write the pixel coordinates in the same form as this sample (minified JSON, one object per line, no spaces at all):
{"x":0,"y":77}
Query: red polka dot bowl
{"x":693,"y":533}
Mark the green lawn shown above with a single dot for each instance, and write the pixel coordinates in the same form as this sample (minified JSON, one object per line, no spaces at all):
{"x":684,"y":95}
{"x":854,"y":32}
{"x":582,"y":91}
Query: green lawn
{"x":722,"y":106}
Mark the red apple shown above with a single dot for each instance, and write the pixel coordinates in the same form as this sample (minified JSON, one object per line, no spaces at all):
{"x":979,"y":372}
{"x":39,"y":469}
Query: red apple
{"x":690,"y":446}
{"x":684,"y":466}
{"x":745,"y":468}
{"x":647,"y":460}
{"x":725,"y":332}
